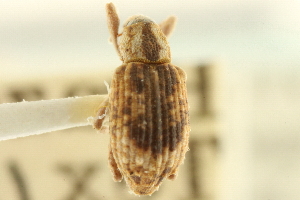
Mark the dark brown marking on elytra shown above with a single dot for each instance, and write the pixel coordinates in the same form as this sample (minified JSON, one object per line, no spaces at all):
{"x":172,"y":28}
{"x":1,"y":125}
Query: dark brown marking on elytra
{"x":174,"y":80}
{"x":128,"y":122}
{"x":140,"y":129}
{"x":170,"y":105}
{"x":136,"y":123}
{"x":148,"y":115}
{"x":172,"y":138}
{"x":149,"y":181}
{"x":128,"y":100}
{"x":150,"y":46}
{"x":126,"y":110}
{"x":114,"y":116}
{"x":160,"y":179}
{"x":173,"y":74}
{"x":140,"y":118}
{"x":143,"y":192}
{"x":136,"y":179}
{"x":156,"y":128}
{"x":167,"y":81}
{"x":183,"y":116}
{"x":137,"y":81}
{"x":137,"y":129}
{"x":180,"y":119}
{"x":171,"y":112}
{"x":164,"y":105}
{"x":152,"y":129}
{"x":145,"y":125}
{"x":116,"y":93}
{"x":114,"y":108}
{"x":166,"y":171}
{"x":139,"y":169}
{"x":171,"y":119}
{"x":181,"y":102}
{"x":178,"y":132}
{"x":170,"y":79}
{"x":156,"y":145}
{"x":162,"y":176}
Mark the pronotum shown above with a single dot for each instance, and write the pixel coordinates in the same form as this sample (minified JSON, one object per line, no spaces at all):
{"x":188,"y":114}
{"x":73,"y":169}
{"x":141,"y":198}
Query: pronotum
{"x":147,"y":105}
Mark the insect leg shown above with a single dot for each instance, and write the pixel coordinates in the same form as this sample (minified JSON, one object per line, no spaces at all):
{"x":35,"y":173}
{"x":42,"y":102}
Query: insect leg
{"x":117,"y":176}
{"x":101,"y":117}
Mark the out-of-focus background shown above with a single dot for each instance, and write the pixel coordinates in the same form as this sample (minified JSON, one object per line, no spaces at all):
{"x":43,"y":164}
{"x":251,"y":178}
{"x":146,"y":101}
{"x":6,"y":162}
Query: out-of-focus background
{"x":242,"y":61}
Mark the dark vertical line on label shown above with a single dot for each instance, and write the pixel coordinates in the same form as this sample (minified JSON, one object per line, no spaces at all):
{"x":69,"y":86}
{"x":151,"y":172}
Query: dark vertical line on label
{"x":195,"y":168}
{"x":19,"y":180}
{"x":205,"y":90}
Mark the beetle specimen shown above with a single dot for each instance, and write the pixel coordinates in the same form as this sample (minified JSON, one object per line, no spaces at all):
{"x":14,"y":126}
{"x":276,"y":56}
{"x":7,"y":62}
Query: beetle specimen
{"x":147,"y":105}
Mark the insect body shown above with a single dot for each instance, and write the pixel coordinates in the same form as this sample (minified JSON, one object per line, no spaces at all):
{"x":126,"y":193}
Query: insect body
{"x":148,"y":110}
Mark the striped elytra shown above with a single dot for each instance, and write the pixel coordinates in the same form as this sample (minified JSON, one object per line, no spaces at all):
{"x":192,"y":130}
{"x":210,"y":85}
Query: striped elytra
{"x":149,"y":124}
{"x":147,"y":106}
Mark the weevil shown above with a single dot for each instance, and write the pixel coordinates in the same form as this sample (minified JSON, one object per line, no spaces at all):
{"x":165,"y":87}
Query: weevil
{"x":147,"y":105}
